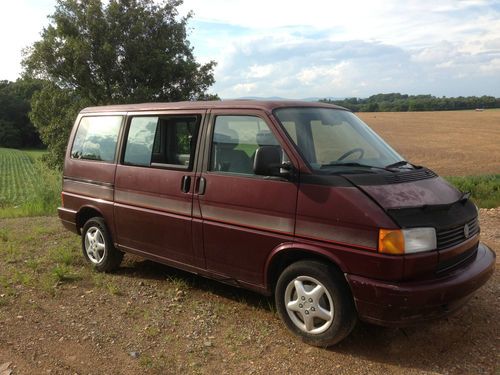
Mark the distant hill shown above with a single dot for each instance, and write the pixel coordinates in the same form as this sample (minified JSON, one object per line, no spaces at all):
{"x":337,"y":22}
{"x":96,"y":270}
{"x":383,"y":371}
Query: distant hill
{"x":311,"y":99}
{"x":396,"y":102}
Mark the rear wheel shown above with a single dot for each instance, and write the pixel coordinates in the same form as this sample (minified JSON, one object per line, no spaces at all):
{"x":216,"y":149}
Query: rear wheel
{"x":315,"y":303}
{"x":98,"y":249}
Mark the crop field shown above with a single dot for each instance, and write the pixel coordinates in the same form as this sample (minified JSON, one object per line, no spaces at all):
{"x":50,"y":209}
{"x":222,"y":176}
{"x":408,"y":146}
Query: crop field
{"x":18,"y":177}
{"x":27,"y":187}
{"x":452,"y":143}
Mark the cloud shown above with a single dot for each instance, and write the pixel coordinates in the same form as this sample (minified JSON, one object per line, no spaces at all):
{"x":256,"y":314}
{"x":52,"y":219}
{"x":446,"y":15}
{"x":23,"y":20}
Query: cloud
{"x":260,"y":71}
{"x":321,"y":48}
{"x":301,"y":67}
{"x":354,"y":48}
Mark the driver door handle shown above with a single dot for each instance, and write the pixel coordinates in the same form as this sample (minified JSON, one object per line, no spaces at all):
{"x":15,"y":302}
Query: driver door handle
{"x":186,"y":184}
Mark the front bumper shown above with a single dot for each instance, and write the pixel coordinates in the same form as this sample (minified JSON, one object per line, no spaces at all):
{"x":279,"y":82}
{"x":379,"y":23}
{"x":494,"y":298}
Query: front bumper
{"x":406,"y":303}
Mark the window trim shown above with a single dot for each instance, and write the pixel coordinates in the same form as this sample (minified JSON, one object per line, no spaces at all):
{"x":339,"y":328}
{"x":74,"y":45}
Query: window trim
{"x":188,"y":168}
{"x":118,"y":137}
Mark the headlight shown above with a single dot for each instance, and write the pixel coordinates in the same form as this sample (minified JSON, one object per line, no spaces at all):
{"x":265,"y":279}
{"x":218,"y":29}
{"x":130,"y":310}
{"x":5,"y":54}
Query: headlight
{"x":406,"y":241}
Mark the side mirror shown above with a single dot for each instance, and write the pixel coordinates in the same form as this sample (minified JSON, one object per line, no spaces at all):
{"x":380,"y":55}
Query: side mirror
{"x":267,"y":162}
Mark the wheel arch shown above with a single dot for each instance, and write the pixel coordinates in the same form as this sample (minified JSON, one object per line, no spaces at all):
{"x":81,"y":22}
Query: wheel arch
{"x":84,"y":214}
{"x":289,"y":253}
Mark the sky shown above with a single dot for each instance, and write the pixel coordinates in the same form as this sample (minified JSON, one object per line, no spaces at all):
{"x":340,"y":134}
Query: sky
{"x":317,"y":48}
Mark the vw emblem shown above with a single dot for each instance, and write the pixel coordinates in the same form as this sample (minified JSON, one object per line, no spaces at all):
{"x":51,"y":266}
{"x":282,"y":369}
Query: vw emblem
{"x":466,"y":231}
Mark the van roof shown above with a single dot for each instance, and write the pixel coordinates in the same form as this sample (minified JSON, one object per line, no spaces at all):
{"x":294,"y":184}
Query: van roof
{"x":267,"y":105}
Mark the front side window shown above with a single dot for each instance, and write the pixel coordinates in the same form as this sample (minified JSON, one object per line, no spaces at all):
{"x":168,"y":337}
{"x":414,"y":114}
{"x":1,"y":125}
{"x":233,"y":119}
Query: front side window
{"x":161,"y":141}
{"x":96,"y":138}
{"x":235,"y":140}
{"x":328,"y":138}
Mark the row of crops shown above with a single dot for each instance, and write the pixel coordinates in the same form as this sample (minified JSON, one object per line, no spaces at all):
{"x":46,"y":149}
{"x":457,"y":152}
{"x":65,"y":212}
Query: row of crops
{"x":27,"y":186}
{"x":17,"y":177}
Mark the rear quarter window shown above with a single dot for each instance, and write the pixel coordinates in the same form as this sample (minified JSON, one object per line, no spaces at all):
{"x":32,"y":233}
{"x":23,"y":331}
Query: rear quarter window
{"x":96,"y":138}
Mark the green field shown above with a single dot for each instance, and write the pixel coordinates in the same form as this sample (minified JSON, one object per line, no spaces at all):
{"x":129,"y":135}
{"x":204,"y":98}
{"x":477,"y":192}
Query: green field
{"x":27,"y":187}
{"x":18,"y":177}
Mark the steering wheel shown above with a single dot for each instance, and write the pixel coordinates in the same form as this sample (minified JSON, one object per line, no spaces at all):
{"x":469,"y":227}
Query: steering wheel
{"x":353,"y":151}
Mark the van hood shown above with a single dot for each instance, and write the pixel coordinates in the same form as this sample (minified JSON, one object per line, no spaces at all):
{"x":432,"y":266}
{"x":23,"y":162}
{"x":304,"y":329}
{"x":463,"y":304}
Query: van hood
{"x":425,"y":200}
{"x":429,"y":192}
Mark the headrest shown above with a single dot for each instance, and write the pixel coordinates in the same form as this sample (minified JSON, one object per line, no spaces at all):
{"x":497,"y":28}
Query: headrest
{"x":226,"y":137}
{"x":266,"y":138}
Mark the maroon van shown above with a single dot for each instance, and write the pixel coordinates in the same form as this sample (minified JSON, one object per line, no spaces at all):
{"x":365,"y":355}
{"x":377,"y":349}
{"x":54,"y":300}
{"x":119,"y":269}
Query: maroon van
{"x":297,"y":199}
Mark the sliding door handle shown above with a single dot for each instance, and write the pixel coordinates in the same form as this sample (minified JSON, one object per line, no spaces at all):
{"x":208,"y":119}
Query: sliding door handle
{"x":201,"y":186}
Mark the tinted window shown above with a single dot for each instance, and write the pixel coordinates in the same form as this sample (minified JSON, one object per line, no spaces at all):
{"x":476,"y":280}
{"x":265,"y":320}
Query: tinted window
{"x":161,"y":141}
{"x":235,"y":140}
{"x":96,"y":138}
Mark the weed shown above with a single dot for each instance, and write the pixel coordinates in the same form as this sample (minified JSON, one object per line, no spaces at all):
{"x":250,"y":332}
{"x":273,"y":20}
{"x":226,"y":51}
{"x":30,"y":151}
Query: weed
{"x":4,"y":236}
{"x":23,"y":278}
{"x":64,"y":255}
{"x":152,"y":331}
{"x":146,"y":361}
{"x":114,"y":289}
{"x":10,"y":253}
{"x":33,"y":264}
{"x":178,"y":283}
{"x":63,"y":273}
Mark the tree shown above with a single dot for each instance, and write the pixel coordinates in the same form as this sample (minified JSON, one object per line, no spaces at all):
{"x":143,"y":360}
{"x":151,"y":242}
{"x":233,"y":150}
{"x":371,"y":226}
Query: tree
{"x":106,"y":52}
{"x":16,"y":130}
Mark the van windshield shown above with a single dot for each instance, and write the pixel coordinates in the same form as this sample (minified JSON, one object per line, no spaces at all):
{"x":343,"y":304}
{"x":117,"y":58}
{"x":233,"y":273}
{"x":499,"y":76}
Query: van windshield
{"x":335,"y":138}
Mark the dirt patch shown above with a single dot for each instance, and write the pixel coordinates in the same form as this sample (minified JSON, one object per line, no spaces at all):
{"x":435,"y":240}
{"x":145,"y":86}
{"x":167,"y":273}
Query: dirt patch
{"x":59,"y":317}
{"x":452,"y":143}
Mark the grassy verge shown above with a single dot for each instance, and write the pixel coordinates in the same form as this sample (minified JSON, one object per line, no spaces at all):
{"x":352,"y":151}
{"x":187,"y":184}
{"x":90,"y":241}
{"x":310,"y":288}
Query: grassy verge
{"x":485,"y":190}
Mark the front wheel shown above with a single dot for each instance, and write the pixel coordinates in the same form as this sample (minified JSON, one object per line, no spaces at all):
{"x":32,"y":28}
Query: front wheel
{"x":315,"y":303}
{"x":97,"y":246}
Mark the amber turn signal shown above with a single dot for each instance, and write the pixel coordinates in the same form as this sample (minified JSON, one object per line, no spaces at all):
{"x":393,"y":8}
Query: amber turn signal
{"x":391,"y":241}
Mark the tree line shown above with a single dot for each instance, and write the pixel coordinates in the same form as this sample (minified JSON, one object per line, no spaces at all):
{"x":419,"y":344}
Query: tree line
{"x":395,"y":102}
{"x":16,"y":129}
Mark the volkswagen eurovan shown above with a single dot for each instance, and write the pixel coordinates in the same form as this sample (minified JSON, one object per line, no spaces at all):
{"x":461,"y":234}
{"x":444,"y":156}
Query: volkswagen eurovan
{"x":297,"y":199}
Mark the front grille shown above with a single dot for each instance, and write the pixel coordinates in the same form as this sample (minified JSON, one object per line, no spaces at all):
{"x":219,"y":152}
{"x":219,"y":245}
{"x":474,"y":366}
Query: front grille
{"x":459,"y":260}
{"x":455,"y":235}
{"x":416,"y":175}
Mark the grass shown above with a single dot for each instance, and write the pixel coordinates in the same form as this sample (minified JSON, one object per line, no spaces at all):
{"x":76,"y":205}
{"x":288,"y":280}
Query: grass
{"x":27,"y":186}
{"x":485,"y":190}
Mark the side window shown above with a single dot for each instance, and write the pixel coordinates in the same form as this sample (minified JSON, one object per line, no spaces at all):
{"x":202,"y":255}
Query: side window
{"x":96,"y":138}
{"x":161,"y":141}
{"x":235,"y":140}
{"x":139,"y":146}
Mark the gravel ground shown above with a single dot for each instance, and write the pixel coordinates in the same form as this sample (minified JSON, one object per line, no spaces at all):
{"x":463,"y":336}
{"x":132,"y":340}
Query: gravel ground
{"x":148,"y":318}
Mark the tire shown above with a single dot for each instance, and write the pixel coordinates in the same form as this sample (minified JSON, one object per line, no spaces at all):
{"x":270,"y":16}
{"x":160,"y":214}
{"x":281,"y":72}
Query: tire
{"x":97,"y":246}
{"x":314,"y":301}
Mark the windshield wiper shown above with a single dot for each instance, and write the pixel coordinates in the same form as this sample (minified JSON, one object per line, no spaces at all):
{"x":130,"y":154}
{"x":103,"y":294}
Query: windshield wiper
{"x":398,"y":164}
{"x":350,"y":165}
